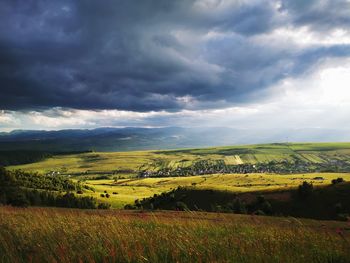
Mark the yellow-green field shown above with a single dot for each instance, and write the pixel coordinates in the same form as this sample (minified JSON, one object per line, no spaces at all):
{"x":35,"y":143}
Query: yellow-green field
{"x":128,"y":190}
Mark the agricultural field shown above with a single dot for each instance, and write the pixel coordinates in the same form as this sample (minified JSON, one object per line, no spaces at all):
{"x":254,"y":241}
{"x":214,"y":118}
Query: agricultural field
{"x":127,"y":164}
{"x":116,"y":173}
{"x":70,"y":235}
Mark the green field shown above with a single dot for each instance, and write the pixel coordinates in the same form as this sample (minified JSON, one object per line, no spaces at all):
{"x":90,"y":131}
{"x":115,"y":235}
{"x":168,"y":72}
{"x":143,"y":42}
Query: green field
{"x":128,"y":190}
{"x":70,"y":235}
{"x":128,"y":163}
{"x":122,"y":168}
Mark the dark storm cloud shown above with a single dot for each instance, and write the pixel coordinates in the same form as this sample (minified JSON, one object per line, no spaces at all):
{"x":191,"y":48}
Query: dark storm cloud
{"x":152,"y":54}
{"x":320,"y":14}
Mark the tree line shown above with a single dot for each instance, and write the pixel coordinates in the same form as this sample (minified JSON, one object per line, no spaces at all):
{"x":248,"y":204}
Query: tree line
{"x":19,"y":188}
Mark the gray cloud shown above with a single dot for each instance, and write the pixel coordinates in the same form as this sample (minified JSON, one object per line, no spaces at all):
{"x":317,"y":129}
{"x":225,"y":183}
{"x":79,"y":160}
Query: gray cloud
{"x":320,"y":14}
{"x":153,"y":54}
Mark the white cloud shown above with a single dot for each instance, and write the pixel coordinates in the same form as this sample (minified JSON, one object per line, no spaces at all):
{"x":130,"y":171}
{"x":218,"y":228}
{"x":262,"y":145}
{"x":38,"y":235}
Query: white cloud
{"x":303,"y":37}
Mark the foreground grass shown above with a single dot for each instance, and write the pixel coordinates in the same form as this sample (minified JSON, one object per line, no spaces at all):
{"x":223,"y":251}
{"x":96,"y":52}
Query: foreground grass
{"x":67,"y":235}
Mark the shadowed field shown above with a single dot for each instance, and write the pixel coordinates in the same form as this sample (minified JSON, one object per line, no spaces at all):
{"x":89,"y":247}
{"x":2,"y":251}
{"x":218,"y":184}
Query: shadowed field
{"x":68,"y":235}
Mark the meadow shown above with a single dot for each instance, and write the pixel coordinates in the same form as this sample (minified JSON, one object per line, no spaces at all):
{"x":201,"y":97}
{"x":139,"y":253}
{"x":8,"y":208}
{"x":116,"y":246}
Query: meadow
{"x":71,"y":235}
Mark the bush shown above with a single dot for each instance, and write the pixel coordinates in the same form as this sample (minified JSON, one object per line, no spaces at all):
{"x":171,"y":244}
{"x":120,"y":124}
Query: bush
{"x":101,"y":177}
{"x":181,"y":206}
{"x":20,"y":200}
{"x":107,"y":195}
{"x":103,"y":206}
{"x":129,"y":207}
{"x":115,"y":193}
{"x":239,"y":207}
{"x":79,"y":192}
{"x":260,"y":199}
{"x":338,"y":208}
{"x":102,"y":195}
{"x":267,"y":208}
{"x":342,"y":217}
{"x":305,"y":190}
{"x":338,"y":180}
{"x":259,"y":213}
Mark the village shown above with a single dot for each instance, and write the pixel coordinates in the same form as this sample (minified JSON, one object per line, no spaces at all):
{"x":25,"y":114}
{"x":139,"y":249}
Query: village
{"x":219,"y":167}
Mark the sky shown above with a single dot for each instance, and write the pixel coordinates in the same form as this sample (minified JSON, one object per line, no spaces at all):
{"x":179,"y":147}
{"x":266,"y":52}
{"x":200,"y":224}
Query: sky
{"x":252,"y":64}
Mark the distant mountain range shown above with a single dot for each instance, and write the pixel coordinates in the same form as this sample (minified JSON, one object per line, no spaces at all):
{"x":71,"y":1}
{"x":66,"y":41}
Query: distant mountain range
{"x":126,"y":139}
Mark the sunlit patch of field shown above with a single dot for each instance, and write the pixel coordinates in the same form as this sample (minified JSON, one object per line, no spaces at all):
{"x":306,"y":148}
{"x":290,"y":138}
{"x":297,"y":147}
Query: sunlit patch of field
{"x":128,"y":190}
{"x":233,"y":160}
{"x":90,"y":162}
{"x":69,"y":235}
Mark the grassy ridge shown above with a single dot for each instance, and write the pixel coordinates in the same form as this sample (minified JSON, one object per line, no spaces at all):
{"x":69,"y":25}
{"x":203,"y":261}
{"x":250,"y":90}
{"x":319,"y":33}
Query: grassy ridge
{"x":62,"y":235}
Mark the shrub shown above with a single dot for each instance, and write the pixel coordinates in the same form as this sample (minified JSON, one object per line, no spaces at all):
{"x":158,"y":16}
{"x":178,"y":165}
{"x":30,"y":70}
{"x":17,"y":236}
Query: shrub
{"x":79,"y":192}
{"x":101,"y":177}
{"x":259,"y":212}
{"x":107,"y":195}
{"x":260,"y":199}
{"x":305,"y":190}
{"x":115,"y":193}
{"x":103,"y":206}
{"x":338,"y":180}
{"x":239,"y":207}
{"x":338,"y":208}
{"x":181,"y":206}
{"x":102,"y":195}
{"x":342,"y":217}
{"x":267,"y":208}
{"x":20,"y":200}
{"x":129,"y":207}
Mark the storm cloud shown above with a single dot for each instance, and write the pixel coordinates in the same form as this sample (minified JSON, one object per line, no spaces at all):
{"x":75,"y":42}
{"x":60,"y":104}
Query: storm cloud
{"x":159,"y":55}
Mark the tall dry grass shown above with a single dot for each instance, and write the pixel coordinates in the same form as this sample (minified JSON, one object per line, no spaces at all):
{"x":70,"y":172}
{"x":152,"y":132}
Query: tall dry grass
{"x":68,"y":235}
